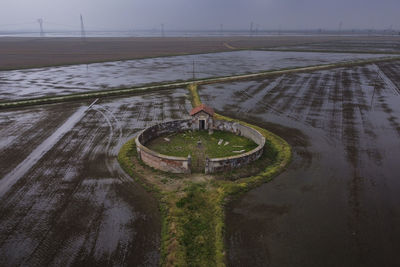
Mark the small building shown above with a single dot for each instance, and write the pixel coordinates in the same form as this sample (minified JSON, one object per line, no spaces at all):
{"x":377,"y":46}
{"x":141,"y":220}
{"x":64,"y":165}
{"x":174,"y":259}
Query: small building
{"x":202,"y":118}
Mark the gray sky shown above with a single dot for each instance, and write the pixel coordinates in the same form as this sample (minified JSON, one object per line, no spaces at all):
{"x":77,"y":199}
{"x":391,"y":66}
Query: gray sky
{"x":200,"y":14}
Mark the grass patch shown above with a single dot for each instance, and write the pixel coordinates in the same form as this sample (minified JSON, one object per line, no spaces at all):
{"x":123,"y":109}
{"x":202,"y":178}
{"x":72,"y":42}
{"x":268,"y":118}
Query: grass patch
{"x":197,"y":219}
{"x":184,"y":143}
{"x":194,"y":95}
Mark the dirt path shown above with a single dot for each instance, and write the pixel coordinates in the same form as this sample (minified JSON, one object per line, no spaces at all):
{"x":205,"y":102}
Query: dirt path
{"x":198,"y":159}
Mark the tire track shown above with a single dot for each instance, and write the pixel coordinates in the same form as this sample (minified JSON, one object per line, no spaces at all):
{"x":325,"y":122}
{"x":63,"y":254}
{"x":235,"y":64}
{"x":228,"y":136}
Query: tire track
{"x":12,"y":177}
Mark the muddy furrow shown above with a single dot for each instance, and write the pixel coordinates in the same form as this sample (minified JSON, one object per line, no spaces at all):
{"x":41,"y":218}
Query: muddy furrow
{"x":334,"y":114}
{"x":290,"y":96}
{"x":302,"y":106}
{"x":342,"y":195}
{"x":316,"y":114}
{"x":262,"y":90}
{"x":12,"y":177}
{"x":297,"y":90}
{"x":391,"y":70}
{"x":268,"y":101}
{"x":80,"y":148}
{"x":260,"y":86}
{"x":44,"y":183}
{"x":22,"y":131}
{"x":389,"y":83}
{"x":274,"y":95}
{"x":75,"y":206}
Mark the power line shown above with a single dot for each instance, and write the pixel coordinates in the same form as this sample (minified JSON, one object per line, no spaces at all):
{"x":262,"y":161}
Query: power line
{"x":60,"y":24}
{"x":194,"y":75}
{"x":18,"y":24}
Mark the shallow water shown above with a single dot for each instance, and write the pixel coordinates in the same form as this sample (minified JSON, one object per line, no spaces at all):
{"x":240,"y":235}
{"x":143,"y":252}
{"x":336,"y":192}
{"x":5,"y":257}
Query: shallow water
{"x":349,"y":45}
{"x":74,"y":205}
{"x":40,"y":82}
{"x":338,"y":202}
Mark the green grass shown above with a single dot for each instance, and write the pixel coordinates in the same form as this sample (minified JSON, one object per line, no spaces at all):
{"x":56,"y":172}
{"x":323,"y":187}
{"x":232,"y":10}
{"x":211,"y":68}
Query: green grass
{"x":184,"y":143}
{"x":193,"y":217}
{"x":197,"y":219}
{"x":194,"y":96}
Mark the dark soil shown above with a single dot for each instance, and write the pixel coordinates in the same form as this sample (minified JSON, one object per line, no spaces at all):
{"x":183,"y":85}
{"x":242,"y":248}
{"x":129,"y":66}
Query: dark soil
{"x":75,"y":206}
{"x":16,"y":53}
{"x":337,"y":204}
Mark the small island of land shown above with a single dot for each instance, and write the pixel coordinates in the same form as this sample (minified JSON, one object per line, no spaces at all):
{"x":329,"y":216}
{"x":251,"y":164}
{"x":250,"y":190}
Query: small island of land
{"x":192,"y":205}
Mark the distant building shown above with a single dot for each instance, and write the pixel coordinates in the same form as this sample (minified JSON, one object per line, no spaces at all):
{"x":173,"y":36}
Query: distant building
{"x":202,"y":118}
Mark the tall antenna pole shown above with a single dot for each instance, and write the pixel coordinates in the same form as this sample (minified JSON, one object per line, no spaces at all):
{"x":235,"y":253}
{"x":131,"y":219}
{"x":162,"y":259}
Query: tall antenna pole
{"x":194,"y":76}
{"x":251,"y":28}
{"x":162,"y":30}
{"x":40,"y":21}
{"x":83,"y":33}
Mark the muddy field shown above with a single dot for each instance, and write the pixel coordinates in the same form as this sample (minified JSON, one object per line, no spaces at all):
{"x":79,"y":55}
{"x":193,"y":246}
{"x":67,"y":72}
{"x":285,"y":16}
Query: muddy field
{"x":16,"y":53}
{"x":64,"y":199}
{"x":40,"y":82}
{"x":337,"y":204}
{"x":378,"y":44}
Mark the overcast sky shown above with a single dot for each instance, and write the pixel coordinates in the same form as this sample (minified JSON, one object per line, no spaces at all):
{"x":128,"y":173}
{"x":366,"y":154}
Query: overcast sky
{"x":200,"y":14}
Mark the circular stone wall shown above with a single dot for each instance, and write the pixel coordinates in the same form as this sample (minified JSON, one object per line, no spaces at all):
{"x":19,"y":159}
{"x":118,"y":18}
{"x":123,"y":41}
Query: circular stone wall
{"x":183,"y":164}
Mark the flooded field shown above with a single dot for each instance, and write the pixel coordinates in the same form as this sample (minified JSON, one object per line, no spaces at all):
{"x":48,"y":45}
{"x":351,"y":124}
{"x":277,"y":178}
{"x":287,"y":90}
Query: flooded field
{"x":64,"y":199}
{"x":372,"y":45}
{"x":337,"y":204}
{"x":30,"y":83}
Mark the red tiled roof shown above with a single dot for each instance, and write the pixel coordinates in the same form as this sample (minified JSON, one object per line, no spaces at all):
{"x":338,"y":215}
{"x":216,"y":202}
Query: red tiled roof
{"x":204,"y":108}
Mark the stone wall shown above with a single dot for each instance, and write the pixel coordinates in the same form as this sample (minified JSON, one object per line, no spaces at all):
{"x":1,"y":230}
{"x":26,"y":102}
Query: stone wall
{"x":229,"y":163}
{"x":183,"y":165}
{"x":157,"y":160}
{"x":239,"y":129}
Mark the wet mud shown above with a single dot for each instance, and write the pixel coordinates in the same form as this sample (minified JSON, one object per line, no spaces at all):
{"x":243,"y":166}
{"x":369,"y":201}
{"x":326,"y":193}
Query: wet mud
{"x":33,"y":83}
{"x":30,"y":52}
{"x":380,"y":44}
{"x":337,"y":204}
{"x":75,"y":206}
